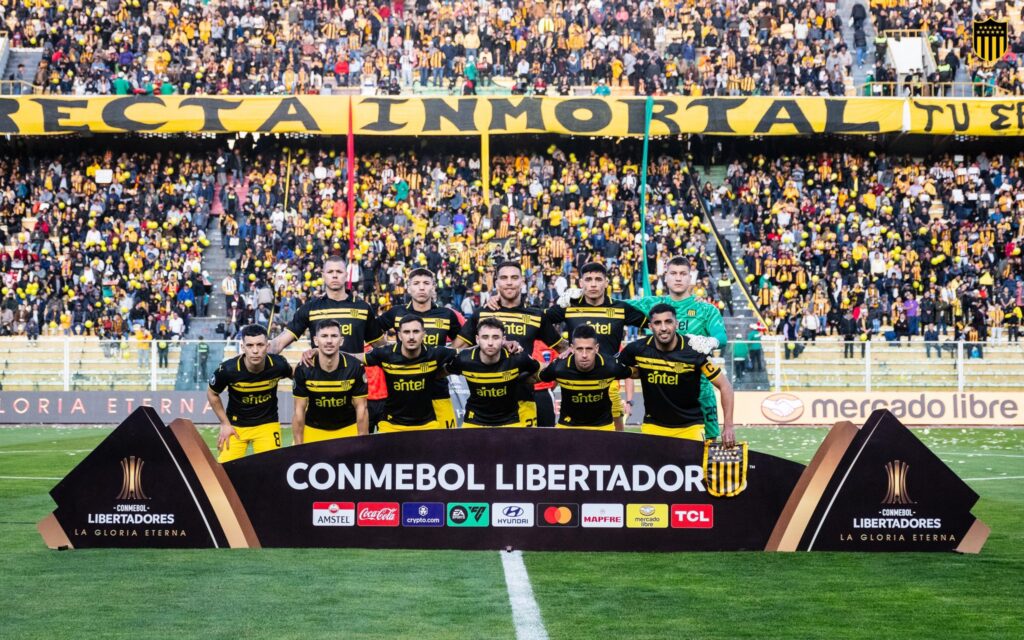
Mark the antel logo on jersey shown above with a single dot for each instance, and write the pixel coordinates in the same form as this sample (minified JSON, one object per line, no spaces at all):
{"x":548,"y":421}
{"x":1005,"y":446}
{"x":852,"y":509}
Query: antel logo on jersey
{"x":512,"y":514}
{"x":422,"y":514}
{"x":558,"y":515}
{"x":378,"y":514}
{"x":334,"y":514}
{"x":647,"y":516}
{"x":602,"y":516}
{"x":693,"y":516}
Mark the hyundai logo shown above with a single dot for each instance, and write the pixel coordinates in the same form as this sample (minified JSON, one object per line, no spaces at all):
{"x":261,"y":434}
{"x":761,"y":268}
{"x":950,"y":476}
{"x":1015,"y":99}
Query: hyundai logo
{"x":512,"y":512}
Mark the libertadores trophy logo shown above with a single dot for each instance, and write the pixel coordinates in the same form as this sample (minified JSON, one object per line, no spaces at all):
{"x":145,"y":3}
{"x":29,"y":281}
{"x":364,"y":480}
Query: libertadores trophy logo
{"x":131,"y":479}
{"x":725,"y":469}
{"x":896,"y":472}
{"x":990,"y":39}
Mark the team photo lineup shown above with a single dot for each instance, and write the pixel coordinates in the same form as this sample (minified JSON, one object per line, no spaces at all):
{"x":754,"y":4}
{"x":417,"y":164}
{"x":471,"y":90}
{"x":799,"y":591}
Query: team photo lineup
{"x":492,"y":349}
{"x":532,"y":319}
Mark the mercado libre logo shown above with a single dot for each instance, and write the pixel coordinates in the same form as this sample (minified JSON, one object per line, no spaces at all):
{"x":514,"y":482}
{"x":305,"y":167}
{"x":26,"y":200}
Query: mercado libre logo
{"x":782,"y":407}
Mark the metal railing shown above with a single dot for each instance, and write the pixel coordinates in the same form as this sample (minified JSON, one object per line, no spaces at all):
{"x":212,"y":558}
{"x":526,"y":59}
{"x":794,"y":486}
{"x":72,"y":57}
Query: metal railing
{"x":829,"y":363}
{"x":16,"y":88}
{"x":925,"y":89}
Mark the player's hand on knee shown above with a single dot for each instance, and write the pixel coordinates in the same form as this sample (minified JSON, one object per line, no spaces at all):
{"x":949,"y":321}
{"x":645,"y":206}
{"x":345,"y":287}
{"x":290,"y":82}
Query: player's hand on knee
{"x":702,"y":344}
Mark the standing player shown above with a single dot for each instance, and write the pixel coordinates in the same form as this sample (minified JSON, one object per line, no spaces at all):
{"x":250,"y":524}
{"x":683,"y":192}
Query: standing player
{"x":609,"y":319}
{"x":700,"y":321}
{"x":251,"y":380}
{"x":670,"y":371}
{"x":409,"y":367}
{"x":359,"y":324}
{"x":330,"y":394}
{"x":586,"y":379}
{"x":440,"y":325}
{"x":522,"y":324}
{"x":493,"y":376}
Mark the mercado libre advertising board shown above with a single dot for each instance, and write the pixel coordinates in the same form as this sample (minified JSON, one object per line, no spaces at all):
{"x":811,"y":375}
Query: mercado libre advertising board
{"x":873,"y":488}
{"x":474,"y":116}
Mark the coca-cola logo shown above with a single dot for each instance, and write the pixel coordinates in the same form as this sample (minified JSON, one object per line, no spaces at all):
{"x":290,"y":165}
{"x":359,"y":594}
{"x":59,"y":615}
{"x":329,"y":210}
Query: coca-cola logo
{"x":377,"y":514}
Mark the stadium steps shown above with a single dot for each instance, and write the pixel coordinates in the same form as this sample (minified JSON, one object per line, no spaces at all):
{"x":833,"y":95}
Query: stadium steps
{"x":858,"y":75}
{"x":28,"y":57}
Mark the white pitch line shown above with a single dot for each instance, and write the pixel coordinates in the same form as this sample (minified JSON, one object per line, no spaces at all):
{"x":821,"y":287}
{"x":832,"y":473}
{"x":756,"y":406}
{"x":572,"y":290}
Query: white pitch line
{"x":525,"y":612}
{"x":994,"y":478}
{"x":976,"y":453}
{"x":28,"y":478}
{"x":45,"y":451}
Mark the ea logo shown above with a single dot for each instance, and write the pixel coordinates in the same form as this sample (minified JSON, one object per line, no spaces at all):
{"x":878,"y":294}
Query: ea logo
{"x":782,"y":408}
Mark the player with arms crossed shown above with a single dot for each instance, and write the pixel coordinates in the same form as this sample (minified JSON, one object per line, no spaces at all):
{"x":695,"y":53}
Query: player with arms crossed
{"x":409,"y":368}
{"x":670,"y":371}
{"x":441,"y":326}
{"x":609,"y":319}
{"x":701,"y":323}
{"x":493,"y":376}
{"x":251,"y":380}
{"x":330,"y":394}
{"x":586,"y":378}
{"x":522,"y":325}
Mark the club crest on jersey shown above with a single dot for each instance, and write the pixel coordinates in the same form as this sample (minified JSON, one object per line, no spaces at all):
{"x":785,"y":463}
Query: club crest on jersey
{"x":692,"y":313}
{"x":725,"y":470}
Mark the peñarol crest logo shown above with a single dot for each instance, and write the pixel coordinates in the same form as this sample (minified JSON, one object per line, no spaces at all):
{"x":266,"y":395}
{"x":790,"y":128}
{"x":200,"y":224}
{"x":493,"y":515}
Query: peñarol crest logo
{"x":896,"y":473}
{"x":131,"y":479}
{"x":990,"y":39}
{"x":725,"y":469}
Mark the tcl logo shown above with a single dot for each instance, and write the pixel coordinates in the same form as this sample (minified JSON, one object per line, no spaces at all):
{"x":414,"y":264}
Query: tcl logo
{"x":377,"y":514}
{"x":693,"y":516}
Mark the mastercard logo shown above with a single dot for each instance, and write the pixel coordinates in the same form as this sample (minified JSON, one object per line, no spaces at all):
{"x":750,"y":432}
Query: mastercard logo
{"x":558,"y":515}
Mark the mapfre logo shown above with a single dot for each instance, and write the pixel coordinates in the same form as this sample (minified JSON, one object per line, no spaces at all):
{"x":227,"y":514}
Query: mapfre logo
{"x":377,"y":514}
{"x":602,"y":516}
{"x":334,"y":514}
{"x":782,"y":408}
{"x":131,"y":479}
{"x":693,"y":516}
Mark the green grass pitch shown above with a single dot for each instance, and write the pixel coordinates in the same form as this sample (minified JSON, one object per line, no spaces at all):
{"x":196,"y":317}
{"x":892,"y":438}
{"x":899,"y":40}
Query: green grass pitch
{"x":281,"y":593}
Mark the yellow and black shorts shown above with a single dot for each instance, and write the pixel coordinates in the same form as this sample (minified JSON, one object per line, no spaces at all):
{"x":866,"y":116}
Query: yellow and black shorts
{"x":528,"y":413}
{"x":264,"y":437}
{"x":312,"y":434}
{"x":473,"y":425}
{"x":604,"y":427}
{"x":616,"y":395}
{"x":391,"y":427}
{"x":693,"y":432}
{"x":444,"y":412}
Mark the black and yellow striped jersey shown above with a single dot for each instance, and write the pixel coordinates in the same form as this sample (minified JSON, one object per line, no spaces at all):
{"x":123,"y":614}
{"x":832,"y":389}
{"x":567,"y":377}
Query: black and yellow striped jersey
{"x":609,"y":320}
{"x":493,"y":401}
{"x":671,"y":381}
{"x":522,"y":324}
{"x":359,"y":324}
{"x":330,"y":394}
{"x":440,"y":324}
{"x":410,"y":400}
{"x":586,"y":398}
{"x":252,"y":397}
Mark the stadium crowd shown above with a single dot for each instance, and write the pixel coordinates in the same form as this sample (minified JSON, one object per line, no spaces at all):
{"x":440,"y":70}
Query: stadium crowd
{"x":860,"y":245}
{"x":103,"y":243}
{"x":741,"y":47}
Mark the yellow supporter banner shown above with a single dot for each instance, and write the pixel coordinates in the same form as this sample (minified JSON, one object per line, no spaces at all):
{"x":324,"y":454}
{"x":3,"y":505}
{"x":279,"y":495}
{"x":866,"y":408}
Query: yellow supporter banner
{"x":921,"y":408}
{"x":56,"y":115}
{"x":473,"y":116}
{"x":974,"y":117}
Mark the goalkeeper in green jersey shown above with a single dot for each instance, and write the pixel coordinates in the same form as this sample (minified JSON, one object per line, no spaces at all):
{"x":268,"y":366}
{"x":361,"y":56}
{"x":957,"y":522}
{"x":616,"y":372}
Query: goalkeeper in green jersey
{"x":701,"y":322}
